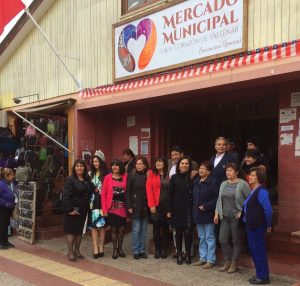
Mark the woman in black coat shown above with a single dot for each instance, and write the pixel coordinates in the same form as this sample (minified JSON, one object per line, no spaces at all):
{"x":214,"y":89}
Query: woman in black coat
{"x":75,"y":205}
{"x":136,"y":203}
{"x":180,"y":207}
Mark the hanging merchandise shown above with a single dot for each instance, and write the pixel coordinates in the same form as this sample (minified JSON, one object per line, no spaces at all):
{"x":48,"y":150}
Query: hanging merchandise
{"x":51,"y":127}
{"x":42,"y":141}
{"x":46,"y":158}
{"x":59,"y":181}
{"x":47,"y":170}
{"x":43,"y":154}
{"x":30,"y":131}
{"x":23,"y":173}
{"x":56,"y":126}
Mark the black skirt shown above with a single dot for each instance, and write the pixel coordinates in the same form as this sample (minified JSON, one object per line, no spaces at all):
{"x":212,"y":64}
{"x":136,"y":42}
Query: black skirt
{"x":115,"y":220}
{"x":74,"y":224}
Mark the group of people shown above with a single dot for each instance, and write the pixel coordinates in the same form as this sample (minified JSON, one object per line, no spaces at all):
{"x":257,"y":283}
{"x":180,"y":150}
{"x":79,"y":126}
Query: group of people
{"x":221,"y":197}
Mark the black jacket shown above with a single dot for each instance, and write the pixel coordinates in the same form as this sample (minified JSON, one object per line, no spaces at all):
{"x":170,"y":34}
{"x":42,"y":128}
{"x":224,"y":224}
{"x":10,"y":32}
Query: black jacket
{"x":76,"y":195}
{"x":136,"y":198}
{"x":219,"y":172}
{"x":180,"y":203}
{"x":130,"y":166}
{"x":205,"y":194}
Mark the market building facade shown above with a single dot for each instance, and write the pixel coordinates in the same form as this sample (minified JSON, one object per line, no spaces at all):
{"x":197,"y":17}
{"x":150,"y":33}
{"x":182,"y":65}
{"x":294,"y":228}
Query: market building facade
{"x":181,"y":73}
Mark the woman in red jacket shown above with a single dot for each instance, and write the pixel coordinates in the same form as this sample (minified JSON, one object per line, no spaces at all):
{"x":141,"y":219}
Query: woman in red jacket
{"x":113,"y":204}
{"x":157,"y":188}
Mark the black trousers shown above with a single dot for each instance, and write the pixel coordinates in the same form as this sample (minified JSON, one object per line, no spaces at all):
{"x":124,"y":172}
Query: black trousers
{"x":160,"y":235}
{"x":5,"y":214}
{"x":187,"y":233}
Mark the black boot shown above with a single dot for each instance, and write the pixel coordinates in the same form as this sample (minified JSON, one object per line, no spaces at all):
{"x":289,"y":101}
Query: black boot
{"x":179,"y":258}
{"x":188,"y":244}
{"x":188,"y":259}
{"x":157,"y":254}
{"x":115,"y":254}
{"x":178,"y":238}
{"x":164,"y":254}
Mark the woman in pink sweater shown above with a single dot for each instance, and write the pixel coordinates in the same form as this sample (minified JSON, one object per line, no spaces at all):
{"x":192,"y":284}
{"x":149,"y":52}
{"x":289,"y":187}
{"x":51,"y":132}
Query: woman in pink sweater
{"x":113,"y":205}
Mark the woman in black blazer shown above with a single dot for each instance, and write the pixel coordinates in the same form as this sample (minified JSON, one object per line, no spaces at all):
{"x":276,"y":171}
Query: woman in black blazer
{"x":75,"y":206}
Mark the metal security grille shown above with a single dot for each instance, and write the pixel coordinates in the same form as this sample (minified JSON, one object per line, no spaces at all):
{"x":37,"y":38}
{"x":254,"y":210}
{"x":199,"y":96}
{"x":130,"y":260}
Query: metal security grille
{"x":47,"y":160}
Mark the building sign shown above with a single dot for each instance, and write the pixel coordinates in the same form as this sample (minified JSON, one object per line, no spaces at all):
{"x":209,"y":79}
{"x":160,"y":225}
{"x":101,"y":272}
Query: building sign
{"x":179,"y":35}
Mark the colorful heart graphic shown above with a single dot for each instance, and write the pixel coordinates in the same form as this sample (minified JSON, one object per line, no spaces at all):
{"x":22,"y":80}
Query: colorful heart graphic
{"x":147,"y":28}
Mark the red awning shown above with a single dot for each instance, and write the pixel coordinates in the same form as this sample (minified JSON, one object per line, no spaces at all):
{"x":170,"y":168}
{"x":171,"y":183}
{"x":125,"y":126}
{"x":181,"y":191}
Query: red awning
{"x":270,"y":53}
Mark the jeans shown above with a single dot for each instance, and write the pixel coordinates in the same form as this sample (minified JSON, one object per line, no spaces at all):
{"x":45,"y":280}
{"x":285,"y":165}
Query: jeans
{"x":230,"y":229}
{"x":139,"y":234}
{"x":207,"y":242}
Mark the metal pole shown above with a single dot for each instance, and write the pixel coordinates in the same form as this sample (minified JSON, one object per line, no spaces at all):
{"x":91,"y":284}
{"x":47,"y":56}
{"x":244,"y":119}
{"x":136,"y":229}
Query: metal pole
{"x":78,"y":83}
{"x":44,"y":133}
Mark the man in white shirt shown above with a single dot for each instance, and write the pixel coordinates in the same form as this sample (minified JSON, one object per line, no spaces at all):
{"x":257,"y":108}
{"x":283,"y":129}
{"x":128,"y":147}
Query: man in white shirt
{"x":176,"y":153}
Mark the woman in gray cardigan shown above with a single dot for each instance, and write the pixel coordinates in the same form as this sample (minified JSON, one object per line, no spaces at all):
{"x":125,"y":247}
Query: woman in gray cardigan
{"x":232,"y":195}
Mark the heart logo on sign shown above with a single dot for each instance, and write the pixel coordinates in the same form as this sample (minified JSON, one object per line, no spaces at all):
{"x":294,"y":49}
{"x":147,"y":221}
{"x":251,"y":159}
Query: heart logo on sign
{"x":146,"y":28}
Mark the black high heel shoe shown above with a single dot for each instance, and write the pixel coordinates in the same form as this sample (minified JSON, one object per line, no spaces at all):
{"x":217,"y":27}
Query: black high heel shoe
{"x":80,"y":256}
{"x":121,"y":253}
{"x":96,"y":255}
{"x":115,"y":254}
{"x":100,"y":254}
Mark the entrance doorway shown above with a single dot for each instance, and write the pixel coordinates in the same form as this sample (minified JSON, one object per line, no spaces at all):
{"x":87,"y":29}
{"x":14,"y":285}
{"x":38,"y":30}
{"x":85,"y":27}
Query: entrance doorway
{"x":194,"y":125}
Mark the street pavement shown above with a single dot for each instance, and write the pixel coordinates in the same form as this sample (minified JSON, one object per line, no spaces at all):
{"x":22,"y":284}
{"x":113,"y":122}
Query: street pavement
{"x":10,"y":280}
{"x":45,"y":263}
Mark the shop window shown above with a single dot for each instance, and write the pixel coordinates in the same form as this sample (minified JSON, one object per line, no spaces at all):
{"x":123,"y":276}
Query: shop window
{"x":131,"y":5}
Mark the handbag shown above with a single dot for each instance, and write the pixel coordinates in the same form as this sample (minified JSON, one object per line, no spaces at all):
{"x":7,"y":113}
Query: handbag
{"x":47,"y":168}
{"x":30,"y":131}
{"x":154,"y":217}
{"x":15,"y":213}
{"x":47,"y":204}
{"x":23,"y":173}
{"x":43,"y":154}
{"x":42,"y":140}
{"x":50,"y":127}
{"x":59,"y":181}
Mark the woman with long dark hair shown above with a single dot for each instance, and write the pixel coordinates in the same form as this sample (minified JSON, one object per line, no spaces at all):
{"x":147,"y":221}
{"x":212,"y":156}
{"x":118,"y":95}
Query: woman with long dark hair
{"x":96,"y":219}
{"x":180,"y":207}
{"x":136,"y":203}
{"x":75,"y":205}
{"x":114,"y":206}
{"x":157,"y":188}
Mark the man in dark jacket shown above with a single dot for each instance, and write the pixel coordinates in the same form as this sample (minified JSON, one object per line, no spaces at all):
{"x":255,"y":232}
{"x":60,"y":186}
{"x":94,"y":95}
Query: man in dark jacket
{"x":220,"y":160}
{"x":128,"y":159}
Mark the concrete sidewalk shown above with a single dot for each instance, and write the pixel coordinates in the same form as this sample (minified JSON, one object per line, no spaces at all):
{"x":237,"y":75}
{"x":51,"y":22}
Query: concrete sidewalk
{"x":165,"y":270}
